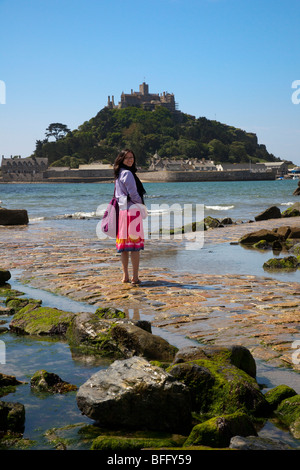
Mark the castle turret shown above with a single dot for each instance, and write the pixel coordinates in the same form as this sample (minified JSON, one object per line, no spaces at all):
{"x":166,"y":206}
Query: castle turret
{"x":144,"y":89}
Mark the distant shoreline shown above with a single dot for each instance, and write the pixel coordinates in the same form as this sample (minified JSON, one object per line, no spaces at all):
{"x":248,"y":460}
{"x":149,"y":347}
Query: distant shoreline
{"x":164,"y":176}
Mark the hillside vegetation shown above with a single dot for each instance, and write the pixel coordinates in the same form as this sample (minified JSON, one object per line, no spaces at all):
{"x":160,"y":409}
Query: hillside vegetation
{"x":172,"y":135}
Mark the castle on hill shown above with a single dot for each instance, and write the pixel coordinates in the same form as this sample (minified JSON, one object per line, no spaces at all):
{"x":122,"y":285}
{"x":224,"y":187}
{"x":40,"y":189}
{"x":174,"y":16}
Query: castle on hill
{"x":144,"y":99}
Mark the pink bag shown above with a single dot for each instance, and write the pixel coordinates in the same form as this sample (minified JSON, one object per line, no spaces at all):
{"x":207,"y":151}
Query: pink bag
{"x":110,"y":221}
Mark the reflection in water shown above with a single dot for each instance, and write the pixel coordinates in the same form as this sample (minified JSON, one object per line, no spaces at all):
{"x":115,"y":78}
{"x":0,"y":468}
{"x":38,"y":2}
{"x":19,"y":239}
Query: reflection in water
{"x":220,"y":258}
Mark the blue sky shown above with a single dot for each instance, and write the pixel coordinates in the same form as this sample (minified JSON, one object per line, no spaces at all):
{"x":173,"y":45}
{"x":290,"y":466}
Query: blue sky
{"x":229,"y":60}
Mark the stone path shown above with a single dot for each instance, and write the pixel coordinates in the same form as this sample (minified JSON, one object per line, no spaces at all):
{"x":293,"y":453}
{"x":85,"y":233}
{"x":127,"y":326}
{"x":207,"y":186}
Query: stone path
{"x":260,"y":313}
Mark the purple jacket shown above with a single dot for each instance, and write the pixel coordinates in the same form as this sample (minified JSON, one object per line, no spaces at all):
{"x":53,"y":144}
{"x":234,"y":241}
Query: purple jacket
{"x":126,"y":186}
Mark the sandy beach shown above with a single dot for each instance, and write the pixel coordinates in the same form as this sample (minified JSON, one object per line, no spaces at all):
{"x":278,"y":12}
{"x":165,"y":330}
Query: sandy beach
{"x":258,"y":312}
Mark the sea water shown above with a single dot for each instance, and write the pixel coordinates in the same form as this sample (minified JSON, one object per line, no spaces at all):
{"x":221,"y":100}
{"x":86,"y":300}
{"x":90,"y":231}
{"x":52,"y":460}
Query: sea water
{"x":75,"y":208}
{"x":240,"y":200}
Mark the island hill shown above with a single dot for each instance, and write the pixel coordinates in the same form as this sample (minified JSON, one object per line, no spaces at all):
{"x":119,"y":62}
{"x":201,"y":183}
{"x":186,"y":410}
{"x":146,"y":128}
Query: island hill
{"x":169,"y":145}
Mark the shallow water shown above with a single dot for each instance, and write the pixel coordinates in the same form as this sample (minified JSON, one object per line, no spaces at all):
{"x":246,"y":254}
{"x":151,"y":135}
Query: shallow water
{"x":24,"y":356}
{"x":220,"y":258}
{"x":240,"y":200}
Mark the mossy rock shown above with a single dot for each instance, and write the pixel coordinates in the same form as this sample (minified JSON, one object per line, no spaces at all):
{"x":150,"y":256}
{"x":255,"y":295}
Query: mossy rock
{"x":218,"y":387}
{"x":18,"y":304}
{"x":287,"y":263}
{"x":7,"y":291}
{"x":277,"y":394}
{"x":8,"y":384}
{"x":12,"y":416}
{"x":36,"y":320}
{"x":44,"y":381}
{"x":295,"y":249}
{"x":217,"y":432}
{"x":289,"y":411}
{"x":89,"y":334}
{"x":254,"y":237}
{"x":15,"y":441}
{"x":293,"y":211}
{"x":236,"y":354}
{"x":262,"y":245}
{"x":109,"y":312}
{"x":123,"y":443}
{"x":212,"y":222}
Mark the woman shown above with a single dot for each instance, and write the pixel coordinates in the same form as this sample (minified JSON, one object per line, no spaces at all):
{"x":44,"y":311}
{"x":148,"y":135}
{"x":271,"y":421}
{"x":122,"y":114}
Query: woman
{"x":129,"y":192}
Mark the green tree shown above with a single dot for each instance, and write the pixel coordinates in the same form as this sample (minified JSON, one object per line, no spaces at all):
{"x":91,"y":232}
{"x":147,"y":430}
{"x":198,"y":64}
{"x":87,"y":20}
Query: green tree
{"x":57,"y":130}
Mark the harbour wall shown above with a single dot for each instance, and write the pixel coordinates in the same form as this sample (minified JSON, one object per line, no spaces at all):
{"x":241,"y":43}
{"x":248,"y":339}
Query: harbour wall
{"x":103,"y":176}
{"x":192,"y":176}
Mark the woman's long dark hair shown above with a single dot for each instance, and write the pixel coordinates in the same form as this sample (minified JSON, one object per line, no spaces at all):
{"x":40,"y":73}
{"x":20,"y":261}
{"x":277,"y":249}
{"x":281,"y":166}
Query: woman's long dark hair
{"x":119,"y":163}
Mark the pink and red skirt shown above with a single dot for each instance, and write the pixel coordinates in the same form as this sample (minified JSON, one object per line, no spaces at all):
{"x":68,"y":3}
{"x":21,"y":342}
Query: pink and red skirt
{"x":130,"y":236}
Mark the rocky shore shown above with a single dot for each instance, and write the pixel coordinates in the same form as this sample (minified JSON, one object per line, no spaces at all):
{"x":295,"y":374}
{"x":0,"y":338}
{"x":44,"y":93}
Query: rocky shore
{"x":259,"y":316}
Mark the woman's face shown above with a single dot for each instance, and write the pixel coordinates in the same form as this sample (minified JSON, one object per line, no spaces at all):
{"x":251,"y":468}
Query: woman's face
{"x":129,"y":159}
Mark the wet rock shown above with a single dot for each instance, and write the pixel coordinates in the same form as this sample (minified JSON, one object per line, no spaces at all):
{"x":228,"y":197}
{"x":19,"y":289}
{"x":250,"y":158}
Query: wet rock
{"x":218,"y":431}
{"x":134,"y":394}
{"x":16,"y":304}
{"x":7,"y":291}
{"x":6,"y":380}
{"x":90,"y":334}
{"x":255,"y":237}
{"x":294,"y":233}
{"x":226,"y":221}
{"x":13,"y":216}
{"x":295,"y":249}
{"x":36,"y":320}
{"x":293,"y":211}
{"x":263,"y":245}
{"x":134,"y":341}
{"x":109,"y":312}
{"x":12,"y":417}
{"x":272,"y":212}
{"x":227,"y":390}
{"x":44,"y":381}
{"x":6,"y":311}
{"x":136,"y":441}
{"x":257,"y":443}
{"x":286,"y":263}
{"x":237,"y":355}
{"x":288,"y":413}
{"x":117,"y":338}
{"x":4,"y":276}
{"x":297,"y":190}
{"x":212,"y":222}
{"x":283,"y":232}
{"x":277,"y":394}
{"x":199,"y":380}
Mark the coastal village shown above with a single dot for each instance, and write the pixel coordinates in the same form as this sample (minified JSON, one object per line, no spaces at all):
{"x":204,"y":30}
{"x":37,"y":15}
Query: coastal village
{"x":32,"y":169}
